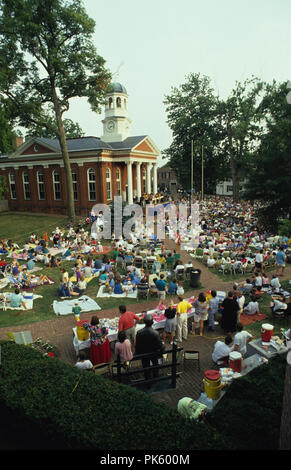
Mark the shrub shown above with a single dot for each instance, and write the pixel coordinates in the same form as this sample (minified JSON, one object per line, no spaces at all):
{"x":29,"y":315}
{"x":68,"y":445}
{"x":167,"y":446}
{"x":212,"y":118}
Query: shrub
{"x":90,"y":412}
{"x":249,"y":415}
{"x":84,"y":411}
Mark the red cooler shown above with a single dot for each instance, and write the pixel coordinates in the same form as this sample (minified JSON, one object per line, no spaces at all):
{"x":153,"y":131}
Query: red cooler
{"x":267,"y":332}
{"x":235,"y":361}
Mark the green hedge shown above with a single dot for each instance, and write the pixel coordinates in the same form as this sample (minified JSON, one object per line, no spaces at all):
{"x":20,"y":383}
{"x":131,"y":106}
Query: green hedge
{"x":84,"y":411}
{"x":249,"y":415}
{"x":90,"y":412}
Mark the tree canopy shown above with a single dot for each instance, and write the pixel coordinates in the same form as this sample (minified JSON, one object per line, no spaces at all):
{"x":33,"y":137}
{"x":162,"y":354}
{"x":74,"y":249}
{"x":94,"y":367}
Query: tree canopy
{"x":47,"y":58}
{"x":228,"y":129}
{"x":72,"y":130}
{"x":270,"y":175}
{"x":192,"y":111}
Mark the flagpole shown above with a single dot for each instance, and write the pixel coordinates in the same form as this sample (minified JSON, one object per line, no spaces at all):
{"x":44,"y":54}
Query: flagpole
{"x":202,"y":174}
{"x":192,"y":169}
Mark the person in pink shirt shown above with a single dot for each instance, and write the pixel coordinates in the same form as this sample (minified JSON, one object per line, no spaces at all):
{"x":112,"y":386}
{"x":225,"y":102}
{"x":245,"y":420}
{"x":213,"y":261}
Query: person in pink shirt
{"x":24,"y":254}
{"x":14,"y":254}
{"x":123,"y":348}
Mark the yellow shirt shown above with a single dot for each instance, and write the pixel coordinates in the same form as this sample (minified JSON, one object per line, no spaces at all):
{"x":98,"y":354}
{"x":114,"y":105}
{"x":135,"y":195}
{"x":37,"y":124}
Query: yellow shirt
{"x":183,"y":307}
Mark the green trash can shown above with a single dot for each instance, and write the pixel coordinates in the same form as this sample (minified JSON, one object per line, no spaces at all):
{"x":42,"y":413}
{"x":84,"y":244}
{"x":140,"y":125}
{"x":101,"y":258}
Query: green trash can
{"x":195,"y":277}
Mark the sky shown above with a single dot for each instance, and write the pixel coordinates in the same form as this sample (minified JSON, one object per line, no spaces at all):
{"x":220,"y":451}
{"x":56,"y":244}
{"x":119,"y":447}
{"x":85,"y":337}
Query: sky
{"x":151,"y":46}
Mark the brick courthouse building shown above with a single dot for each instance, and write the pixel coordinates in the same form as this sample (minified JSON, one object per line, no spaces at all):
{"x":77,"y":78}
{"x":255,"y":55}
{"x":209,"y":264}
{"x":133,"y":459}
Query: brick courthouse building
{"x":114,"y":164}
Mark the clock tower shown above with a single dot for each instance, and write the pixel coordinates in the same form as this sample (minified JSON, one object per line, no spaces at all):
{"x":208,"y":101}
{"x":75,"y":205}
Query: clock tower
{"x":116,"y":124}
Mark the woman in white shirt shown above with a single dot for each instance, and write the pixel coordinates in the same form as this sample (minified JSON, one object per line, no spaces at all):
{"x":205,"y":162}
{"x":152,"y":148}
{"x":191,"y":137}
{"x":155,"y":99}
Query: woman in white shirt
{"x":81,"y":286}
{"x":82,"y":362}
{"x":221,"y":351}
{"x":275,"y":284}
{"x":241,"y":339}
{"x":252,"y":308}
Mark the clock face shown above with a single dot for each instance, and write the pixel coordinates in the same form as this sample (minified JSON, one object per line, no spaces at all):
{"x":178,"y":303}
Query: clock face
{"x":110,"y":126}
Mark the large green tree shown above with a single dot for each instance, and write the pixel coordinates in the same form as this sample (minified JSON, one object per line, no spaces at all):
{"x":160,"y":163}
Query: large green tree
{"x":7,"y":133}
{"x":240,"y":121}
{"x":47,"y":58}
{"x":192,"y":116}
{"x":72,"y":129}
{"x":270,"y":174}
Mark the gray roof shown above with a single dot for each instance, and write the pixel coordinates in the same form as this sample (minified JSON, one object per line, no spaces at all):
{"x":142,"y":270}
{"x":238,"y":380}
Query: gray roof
{"x":128,"y":143}
{"x":93,"y":143}
{"x":77,"y":144}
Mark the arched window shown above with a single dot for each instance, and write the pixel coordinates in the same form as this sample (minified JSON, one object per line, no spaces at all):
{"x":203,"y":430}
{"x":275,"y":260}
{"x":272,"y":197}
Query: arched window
{"x":118,"y":182}
{"x":110,"y":103}
{"x":91,"y":184}
{"x":108,"y":184}
{"x":75,"y":185}
{"x":40,"y":185}
{"x":12,"y":185}
{"x":26,"y":188}
{"x":118,"y":102}
{"x":57,"y":185}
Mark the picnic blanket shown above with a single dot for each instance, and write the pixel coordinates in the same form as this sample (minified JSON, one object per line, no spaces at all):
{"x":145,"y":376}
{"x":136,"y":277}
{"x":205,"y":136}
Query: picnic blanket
{"x":28,"y":299}
{"x":55,"y":251}
{"x":4,"y":282}
{"x":65,"y":307}
{"x":34,"y":270}
{"x":248,"y":319}
{"x":105,"y":250}
{"x":87,"y":279}
{"x":35,"y":283}
{"x":100,"y":293}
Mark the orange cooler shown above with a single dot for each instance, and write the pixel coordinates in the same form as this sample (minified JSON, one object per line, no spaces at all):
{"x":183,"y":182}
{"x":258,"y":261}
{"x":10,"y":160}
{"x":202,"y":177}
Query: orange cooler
{"x":267,"y":332}
{"x":235,"y":361}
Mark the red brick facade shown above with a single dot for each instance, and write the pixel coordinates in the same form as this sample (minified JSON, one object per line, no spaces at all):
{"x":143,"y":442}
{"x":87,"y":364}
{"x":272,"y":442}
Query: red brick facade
{"x":42,"y":197}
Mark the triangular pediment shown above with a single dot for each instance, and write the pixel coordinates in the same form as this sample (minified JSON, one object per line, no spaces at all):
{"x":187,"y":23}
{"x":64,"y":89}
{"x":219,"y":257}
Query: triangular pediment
{"x":35,"y":146}
{"x":147,"y":146}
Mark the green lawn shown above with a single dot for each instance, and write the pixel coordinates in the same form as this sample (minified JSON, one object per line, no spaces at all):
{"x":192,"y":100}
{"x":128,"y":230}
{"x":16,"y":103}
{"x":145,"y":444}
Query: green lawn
{"x":18,"y":227}
{"x":255,"y":328}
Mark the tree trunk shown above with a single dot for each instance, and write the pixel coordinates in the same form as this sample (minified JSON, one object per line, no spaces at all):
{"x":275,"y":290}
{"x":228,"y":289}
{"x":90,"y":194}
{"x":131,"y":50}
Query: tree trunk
{"x":235,"y":180}
{"x":234,"y":173}
{"x":65,"y":154}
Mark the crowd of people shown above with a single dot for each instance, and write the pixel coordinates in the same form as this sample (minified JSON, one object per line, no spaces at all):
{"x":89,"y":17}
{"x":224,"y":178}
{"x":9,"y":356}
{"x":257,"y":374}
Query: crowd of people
{"x":140,"y":263}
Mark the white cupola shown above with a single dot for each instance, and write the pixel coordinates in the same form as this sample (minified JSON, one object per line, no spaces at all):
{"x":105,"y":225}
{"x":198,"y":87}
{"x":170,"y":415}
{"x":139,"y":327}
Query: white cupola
{"x":116,"y":124}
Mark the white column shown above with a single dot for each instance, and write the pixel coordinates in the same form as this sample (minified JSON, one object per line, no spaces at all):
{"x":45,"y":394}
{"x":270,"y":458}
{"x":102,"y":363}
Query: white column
{"x":155,"y":170}
{"x":138,"y":180}
{"x":129,"y":182}
{"x":149,"y":182}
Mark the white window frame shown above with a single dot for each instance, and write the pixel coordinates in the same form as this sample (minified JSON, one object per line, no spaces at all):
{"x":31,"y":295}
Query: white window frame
{"x":56,"y":172}
{"x":118,"y":182}
{"x":108,"y":184}
{"x":75,"y":185}
{"x":40,"y":183}
{"x":91,"y":182}
{"x":12,"y":186}
{"x":26,"y":185}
